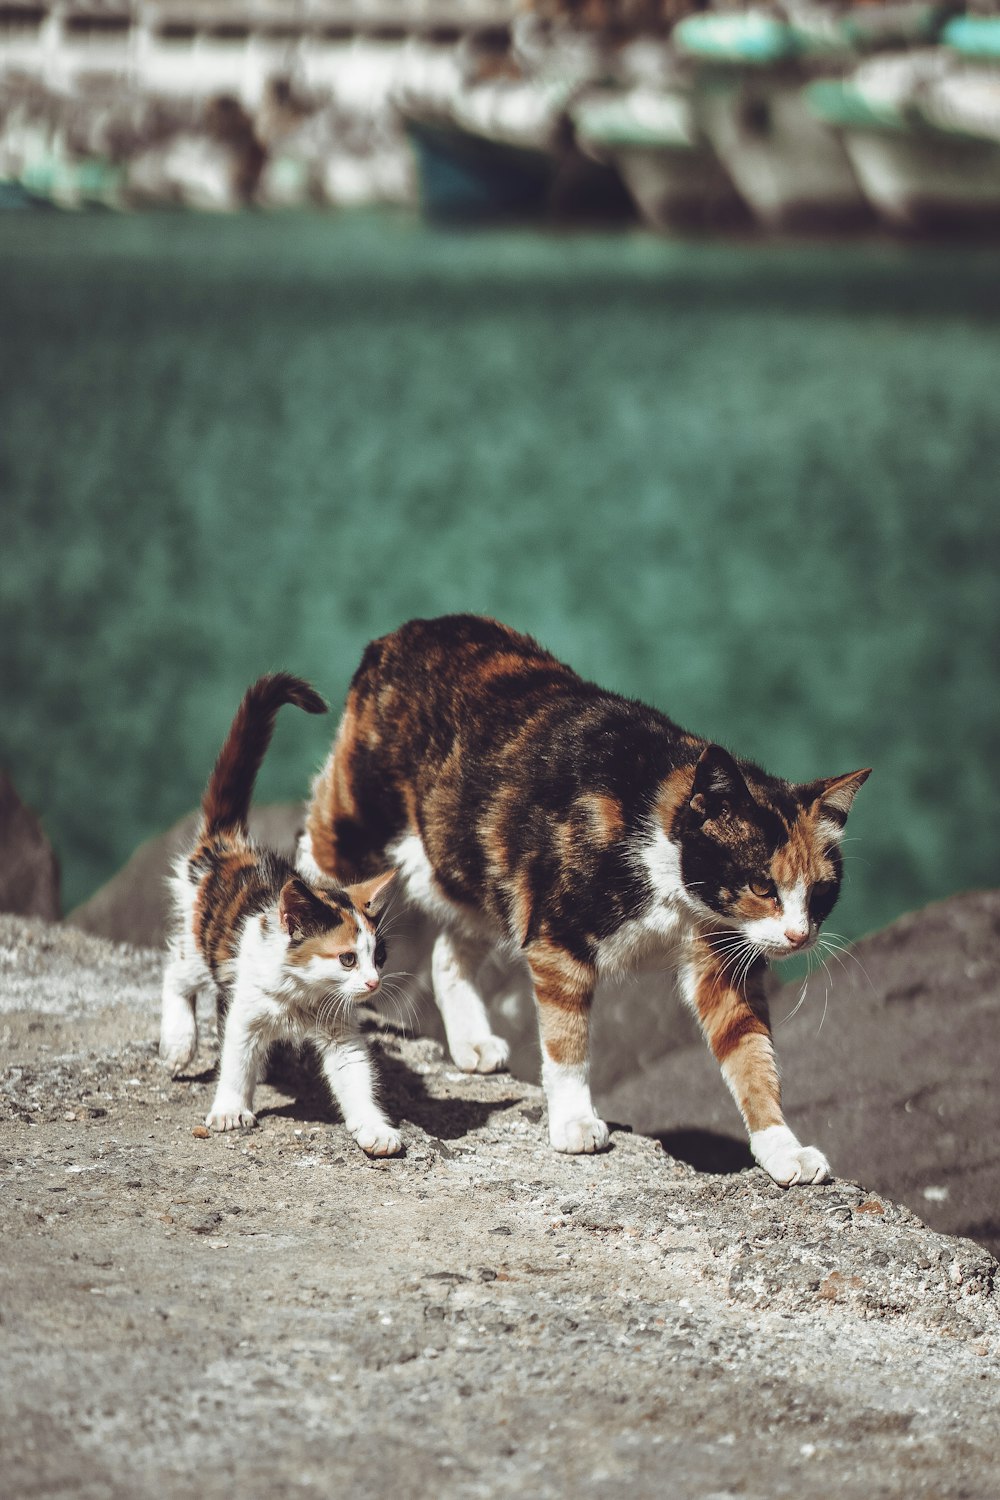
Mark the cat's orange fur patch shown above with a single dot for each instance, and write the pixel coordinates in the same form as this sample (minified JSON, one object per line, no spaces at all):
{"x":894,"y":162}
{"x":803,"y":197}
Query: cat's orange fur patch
{"x":674,"y":791}
{"x":560,"y":979}
{"x":736,"y":1028}
{"x":796,"y":859}
{"x":604,"y":814}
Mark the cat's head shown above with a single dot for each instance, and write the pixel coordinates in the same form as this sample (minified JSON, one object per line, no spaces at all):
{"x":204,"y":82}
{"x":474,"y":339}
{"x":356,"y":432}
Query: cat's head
{"x":761,"y":854}
{"x":332,"y":934}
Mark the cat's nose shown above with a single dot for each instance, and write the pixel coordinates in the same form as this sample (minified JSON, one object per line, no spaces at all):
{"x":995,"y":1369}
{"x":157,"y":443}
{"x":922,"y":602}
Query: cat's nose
{"x":371,"y":984}
{"x":796,"y":936}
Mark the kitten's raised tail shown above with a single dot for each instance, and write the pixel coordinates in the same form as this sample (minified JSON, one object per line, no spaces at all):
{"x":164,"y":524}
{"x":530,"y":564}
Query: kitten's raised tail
{"x":226,"y":802}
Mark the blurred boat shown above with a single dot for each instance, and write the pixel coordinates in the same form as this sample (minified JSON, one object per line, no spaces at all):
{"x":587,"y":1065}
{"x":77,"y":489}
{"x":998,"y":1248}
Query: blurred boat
{"x":464,"y":176}
{"x":505,"y":149}
{"x":651,"y":136}
{"x":785,"y":161}
{"x":922,"y":129}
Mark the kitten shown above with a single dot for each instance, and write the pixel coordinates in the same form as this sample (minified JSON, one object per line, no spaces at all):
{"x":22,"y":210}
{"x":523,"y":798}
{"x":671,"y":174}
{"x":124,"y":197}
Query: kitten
{"x":286,"y":960}
{"x":525,"y":806}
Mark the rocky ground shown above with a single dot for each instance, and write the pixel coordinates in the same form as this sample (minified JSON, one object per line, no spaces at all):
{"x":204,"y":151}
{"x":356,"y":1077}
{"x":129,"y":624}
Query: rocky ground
{"x":889,"y":1063}
{"x":481,"y":1317}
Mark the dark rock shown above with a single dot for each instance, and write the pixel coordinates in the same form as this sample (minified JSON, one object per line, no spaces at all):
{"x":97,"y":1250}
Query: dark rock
{"x":897,"y":1084}
{"x":29,"y":870}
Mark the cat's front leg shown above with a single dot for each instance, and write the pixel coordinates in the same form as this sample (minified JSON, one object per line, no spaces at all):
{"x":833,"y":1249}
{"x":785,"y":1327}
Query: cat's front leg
{"x":734,"y":1018}
{"x":240,"y":1065}
{"x":347,"y":1067}
{"x":564,"y":990}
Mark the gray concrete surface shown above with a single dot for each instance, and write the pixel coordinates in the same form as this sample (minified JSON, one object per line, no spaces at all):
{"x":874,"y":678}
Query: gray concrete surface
{"x":889,"y":1064}
{"x":481,"y":1317}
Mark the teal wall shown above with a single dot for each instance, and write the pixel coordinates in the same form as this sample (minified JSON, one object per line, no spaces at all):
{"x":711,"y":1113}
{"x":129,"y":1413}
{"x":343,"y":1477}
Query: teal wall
{"x":753,"y":484}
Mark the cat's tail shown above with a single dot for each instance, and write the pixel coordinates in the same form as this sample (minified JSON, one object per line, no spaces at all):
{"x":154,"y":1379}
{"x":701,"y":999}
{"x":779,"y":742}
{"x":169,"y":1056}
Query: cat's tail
{"x":226,"y":802}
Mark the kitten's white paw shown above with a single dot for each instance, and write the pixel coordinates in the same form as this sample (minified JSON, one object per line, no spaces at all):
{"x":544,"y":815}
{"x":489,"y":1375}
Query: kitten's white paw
{"x":377,"y":1138}
{"x":784,"y":1159}
{"x":488,"y":1056}
{"x":233,"y":1117}
{"x":579,"y":1137}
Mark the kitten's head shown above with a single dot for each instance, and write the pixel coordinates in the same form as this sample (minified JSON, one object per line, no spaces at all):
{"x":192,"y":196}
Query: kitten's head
{"x":332,"y":932}
{"x":763,"y":855}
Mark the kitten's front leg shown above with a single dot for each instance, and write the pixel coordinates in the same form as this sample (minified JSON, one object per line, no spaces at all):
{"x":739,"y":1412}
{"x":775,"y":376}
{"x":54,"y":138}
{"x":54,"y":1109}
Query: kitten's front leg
{"x":347,"y":1067}
{"x":178,"y":1015}
{"x":734,"y":1018}
{"x":240,"y":1065}
{"x":564,"y":989}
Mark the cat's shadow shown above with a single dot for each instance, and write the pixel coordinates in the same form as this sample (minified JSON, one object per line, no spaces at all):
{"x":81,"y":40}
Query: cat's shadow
{"x":403,"y":1093}
{"x":706,"y":1150}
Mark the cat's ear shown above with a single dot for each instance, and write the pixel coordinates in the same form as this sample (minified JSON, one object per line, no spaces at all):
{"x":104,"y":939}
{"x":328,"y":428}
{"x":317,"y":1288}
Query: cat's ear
{"x":372,"y":896}
{"x":718,"y":783}
{"x":833,"y":795}
{"x":298,"y":909}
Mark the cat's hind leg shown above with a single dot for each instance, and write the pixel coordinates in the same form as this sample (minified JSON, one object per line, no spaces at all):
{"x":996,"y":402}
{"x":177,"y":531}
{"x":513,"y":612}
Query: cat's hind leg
{"x":183,"y":977}
{"x":347,"y":1067}
{"x":473,"y":1046}
{"x":241,"y":1062}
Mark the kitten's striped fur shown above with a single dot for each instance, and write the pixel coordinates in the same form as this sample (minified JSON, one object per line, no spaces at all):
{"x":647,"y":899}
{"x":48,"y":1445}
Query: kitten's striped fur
{"x":525,"y":806}
{"x":286,"y":960}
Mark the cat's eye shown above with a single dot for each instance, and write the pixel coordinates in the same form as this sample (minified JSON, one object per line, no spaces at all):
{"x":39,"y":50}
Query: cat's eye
{"x":763,"y":887}
{"x":822,"y":897}
{"x":379,"y":955}
{"x":349,"y":960}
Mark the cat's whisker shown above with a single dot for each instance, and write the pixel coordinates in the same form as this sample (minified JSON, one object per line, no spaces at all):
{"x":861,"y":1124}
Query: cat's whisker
{"x":826,"y":1002}
{"x":839,"y":948}
{"x":797,"y":1006}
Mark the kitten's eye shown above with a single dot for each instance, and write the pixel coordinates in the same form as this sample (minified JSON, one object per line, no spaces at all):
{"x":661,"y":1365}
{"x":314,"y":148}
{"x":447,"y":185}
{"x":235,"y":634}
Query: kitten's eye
{"x":763,"y":887}
{"x":379,"y":955}
{"x":349,"y":960}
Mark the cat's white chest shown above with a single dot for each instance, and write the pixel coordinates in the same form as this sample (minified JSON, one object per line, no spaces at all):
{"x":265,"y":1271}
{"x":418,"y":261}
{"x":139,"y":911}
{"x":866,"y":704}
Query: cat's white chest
{"x":667,"y":923}
{"x":645,"y":941}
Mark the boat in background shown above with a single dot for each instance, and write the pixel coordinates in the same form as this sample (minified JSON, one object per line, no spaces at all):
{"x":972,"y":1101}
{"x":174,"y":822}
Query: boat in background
{"x":503,"y":145}
{"x":922,"y":128}
{"x":785,"y":161}
{"x":652,"y":139}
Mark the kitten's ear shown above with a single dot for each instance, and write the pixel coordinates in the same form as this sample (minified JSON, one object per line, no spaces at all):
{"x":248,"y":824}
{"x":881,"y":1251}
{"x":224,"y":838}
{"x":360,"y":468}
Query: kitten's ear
{"x":718,"y":783}
{"x":297,"y":908}
{"x":834,"y":794}
{"x":372,"y":896}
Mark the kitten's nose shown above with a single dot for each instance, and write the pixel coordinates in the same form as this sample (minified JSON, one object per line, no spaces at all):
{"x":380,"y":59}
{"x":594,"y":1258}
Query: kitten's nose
{"x":796,"y":936}
{"x":371,"y":984}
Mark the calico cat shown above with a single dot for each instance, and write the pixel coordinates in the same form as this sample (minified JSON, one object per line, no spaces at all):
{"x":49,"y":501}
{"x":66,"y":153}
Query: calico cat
{"x":525,"y":806}
{"x":286,"y":960}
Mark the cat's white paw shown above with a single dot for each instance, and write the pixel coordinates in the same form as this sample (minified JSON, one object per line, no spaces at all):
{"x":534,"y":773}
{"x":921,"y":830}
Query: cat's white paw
{"x":783,"y":1158}
{"x":176,"y":1054}
{"x":581,"y":1136}
{"x":488,"y":1056}
{"x":231,"y":1117}
{"x":377,"y":1138}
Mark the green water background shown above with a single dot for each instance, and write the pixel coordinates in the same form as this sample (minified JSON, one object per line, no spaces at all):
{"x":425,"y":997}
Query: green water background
{"x":754,"y":485}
